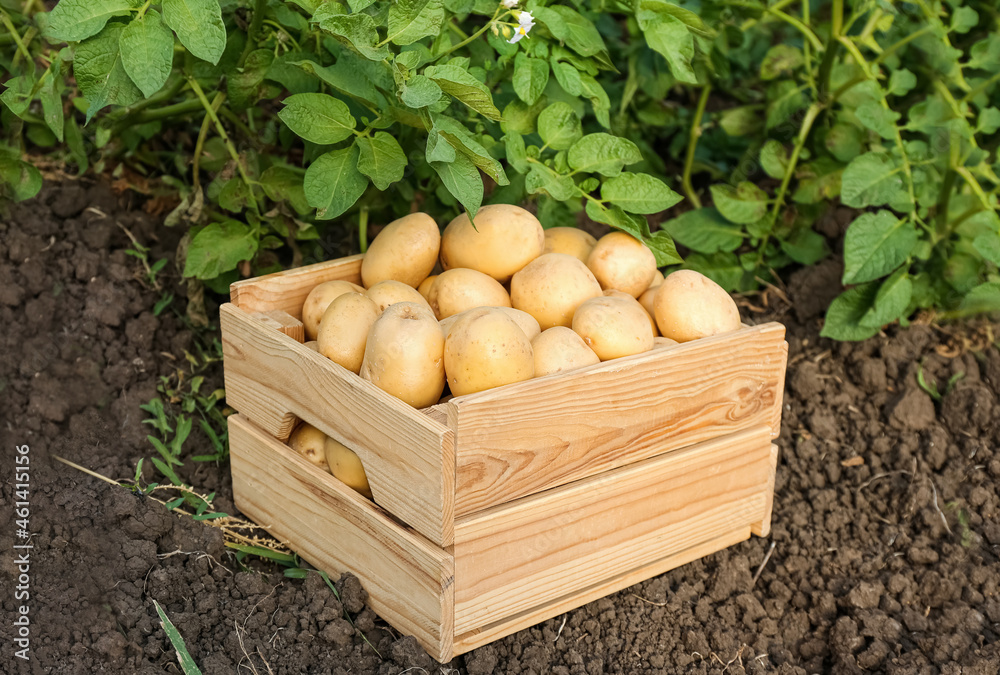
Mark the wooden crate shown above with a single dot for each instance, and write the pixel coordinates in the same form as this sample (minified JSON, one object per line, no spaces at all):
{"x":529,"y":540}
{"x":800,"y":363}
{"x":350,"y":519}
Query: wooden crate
{"x":497,"y":510}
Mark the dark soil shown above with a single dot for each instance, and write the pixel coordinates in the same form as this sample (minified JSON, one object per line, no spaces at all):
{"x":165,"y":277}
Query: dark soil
{"x":885,"y":530}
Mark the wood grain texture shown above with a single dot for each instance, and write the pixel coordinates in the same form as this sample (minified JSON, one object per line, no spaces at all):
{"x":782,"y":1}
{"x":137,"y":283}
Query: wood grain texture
{"x":569,"y":538}
{"x":481,"y":636}
{"x":763,"y":528}
{"x":409,"y":457}
{"x":283,"y":322}
{"x":526,"y":437}
{"x":410,"y":582}
{"x":287,"y":290}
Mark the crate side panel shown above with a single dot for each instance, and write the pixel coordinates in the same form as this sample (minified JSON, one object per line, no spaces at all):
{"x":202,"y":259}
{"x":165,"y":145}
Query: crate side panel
{"x":287,"y":290}
{"x":525,"y":438}
{"x":408,"y":456}
{"x":763,"y":527}
{"x":537,"y":549}
{"x":410,"y":582}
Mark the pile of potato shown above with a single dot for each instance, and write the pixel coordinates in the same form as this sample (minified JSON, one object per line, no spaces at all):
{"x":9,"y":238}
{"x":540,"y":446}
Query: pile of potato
{"x":510,"y":301}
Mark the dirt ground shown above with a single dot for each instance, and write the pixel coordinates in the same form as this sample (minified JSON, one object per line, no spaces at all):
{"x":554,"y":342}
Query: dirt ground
{"x":885,"y":529}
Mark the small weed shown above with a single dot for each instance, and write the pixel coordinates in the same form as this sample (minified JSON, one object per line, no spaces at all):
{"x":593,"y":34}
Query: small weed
{"x":183,"y":656}
{"x":931,"y":387}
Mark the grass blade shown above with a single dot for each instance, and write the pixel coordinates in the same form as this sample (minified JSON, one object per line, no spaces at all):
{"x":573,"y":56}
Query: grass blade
{"x":183,"y":657}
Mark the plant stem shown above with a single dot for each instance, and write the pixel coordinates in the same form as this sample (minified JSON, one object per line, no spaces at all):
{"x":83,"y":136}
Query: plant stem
{"x":475,"y":36}
{"x":944,"y":198}
{"x":977,"y":189}
{"x":693,"y":137}
{"x":902,"y":43}
{"x":826,"y":66}
{"x":9,"y":25}
{"x":363,"y":228}
{"x":798,"y":25}
{"x":202,"y":135}
{"x":186,"y":107}
{"x":749,"y":23}
{"x":255,"y":23}
{"x":981,"y":87}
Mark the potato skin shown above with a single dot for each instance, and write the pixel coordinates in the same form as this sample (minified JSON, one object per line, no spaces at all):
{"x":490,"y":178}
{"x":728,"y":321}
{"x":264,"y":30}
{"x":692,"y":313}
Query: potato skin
{"x":389,"y":292}
{"x":310,"y":442}
{"x":343,"y":331}
{"x":689,"y":306}
{"x":612,"y":293}
{"x":551,"y":287}
{"x":559,"y":349}
{"x":613,"y":327}
{"x":346,"y":467}
{"x":425,"y":286}
{"x":404,"y":354}
{"x":569,"y":240}
{"x":504,"y":239}
{"x":622,"y":262}
{"x":461,"y":288}
{"x":485,"y":349}
{"x":524,"y":321}
{"x":319,"y":299}
{"x":405,"y":250}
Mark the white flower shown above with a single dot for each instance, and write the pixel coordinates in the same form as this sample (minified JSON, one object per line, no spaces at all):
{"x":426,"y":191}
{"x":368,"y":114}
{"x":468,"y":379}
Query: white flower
{"x":524,"y":24}
{"x":509,"y":4}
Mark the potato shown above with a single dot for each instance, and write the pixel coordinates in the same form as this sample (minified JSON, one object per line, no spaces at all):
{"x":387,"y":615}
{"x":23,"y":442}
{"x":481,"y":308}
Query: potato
{"x":551,"y":287}
{"x":459,"y":289}
{"x":312,"y":344}
{"x":309,"y":442}
{"x":569,"y":240}
{"x":406,"y":250}
{"x":660,"y":342}
{"x":689,"y":305}
{"x":344,"y":328}
{"x":319,"y":299}
{"x":425,"y":286}
{"x":524,"y":321}
{"x":346,"y":467}
{"x":504,"y":239}
{"x":613,"y":293}
{"x":622,"y":262}
{"x":613,"y":327}
{"x":404,"y":354}
{"x":657,"y":280}
{"x":559,"y":349}
{"x":485,"y":349}
{"x":389,"y":292}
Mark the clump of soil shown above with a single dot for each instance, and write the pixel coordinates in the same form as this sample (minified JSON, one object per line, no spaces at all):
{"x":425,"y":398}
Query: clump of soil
{"x":885,"y":530}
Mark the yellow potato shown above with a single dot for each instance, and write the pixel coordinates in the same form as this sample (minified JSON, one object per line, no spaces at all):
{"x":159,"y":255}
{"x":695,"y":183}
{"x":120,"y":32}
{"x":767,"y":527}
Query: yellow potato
{"x":559,"y":349}
{"x":657,"y":280}
{"x":485,"y":349}
{"x":689,"y":305}
{"x":613,"y":327}
{"x":524,"y":321}
{"x":404,"y":354}
{"x":312,"y":344}
{"x":622,"y":262}
{"x":659,"y":342}
{"x":551,"y":287}
{"x":613,"y":293}
{"x":425,"y":286}
{"x":309,"y":442}
{"x":319,"y":299}
{"x":344,"y":328}
{"x":389,"y":292}
{"x":406,"y":250}
{"x":459,"y":289}
{"x":505,"y":239}
{"x":569,"y":240}
{"x":346,"y":467}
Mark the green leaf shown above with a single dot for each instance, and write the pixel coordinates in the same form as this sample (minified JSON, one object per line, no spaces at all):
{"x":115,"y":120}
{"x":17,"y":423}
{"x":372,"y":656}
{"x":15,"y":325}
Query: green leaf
{"x":18,"y":93}
{"x":541,"y":179}
{"x":420,"y":92}
{"x":989,"y":121}
{"x":463,"y":181}
{"x":805,"y":246}
{"x":147,"y":47}
{"x":199,"y":27}
{"x":744,"y":204}
{"x":283,"y":183}
{"x":964,"y":19}
{"x":670,"y":37}
{"x":639,"y":193}
{"x":333,"y":183}
{"x":411,"y":20}
{"x":603,"y":153}
{"x":357,"y":31}
{"x":460,"y":84}
{"x":346,"y":76}
{"x":516,"y":154}
{"x":188,"y":666}
{"x":100,"y":72}
{"x":18,"y":180}
{"x":901,"y":82}
{"x":244,"y":86}
{"x":218,"y":248}
{"x":659,"y":243}
{"x":985,"y":54}
{"x":559,"y":126}
{"x":843,"y":318}
{"x":52,"y":103}
{"x":892,"y":300}
{"x":784,"y":99}
{"x":876,"y":244}
{"x":845,"y":141}
{"x":568,"y":77}
{"x":75,"y":20}
{"x":781,"y":59}
{"x":381,"y":159}
{"x":521,"y":118}
{"x":460,"y":138}
{"x":318,"y":118}
{"x":774,"y":159}
{"x":742,"y":121}
{"x":877,"y":118}
{"x":872,"y":179}
{"x":984,"y":298}
{"x":530,"y":77}
{"x":438,"y":148}
{"x":704,"y":230}
{"x":988,"y":246}
{"x":571,"y":27}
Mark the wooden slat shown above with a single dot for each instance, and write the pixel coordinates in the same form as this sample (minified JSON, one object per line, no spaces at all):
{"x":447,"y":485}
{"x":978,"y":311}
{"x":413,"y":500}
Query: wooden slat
{"x":526,"y":437}
{"x":542,"y":547}
{"x":410,"y":582}
{"x":287,"y":290}
{"x":409,"y":457}
{"x":283,"y":322}
{"x":480,"y":636}
{"x":763,"y":528}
